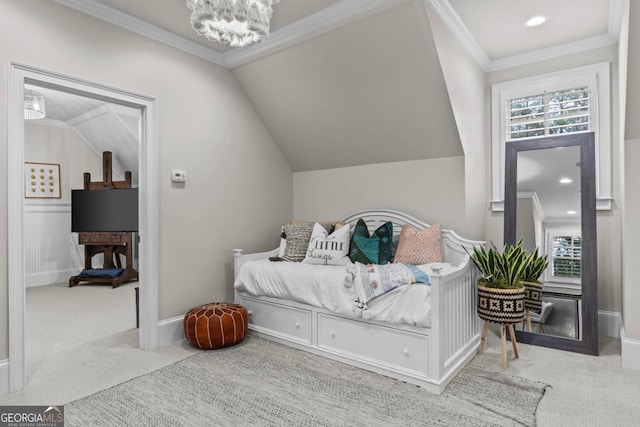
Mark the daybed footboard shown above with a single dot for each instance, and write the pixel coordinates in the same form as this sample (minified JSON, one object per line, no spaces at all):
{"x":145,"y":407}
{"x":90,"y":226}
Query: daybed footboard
{"x":428,"y":357}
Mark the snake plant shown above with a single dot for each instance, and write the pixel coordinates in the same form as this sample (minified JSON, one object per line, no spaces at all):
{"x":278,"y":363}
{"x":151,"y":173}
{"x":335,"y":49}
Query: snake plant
{"x":500,"y":269}
{"x":534,"y":266}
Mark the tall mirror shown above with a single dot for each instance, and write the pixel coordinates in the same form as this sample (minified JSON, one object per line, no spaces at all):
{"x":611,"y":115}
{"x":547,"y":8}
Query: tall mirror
{"x":550,"y":204}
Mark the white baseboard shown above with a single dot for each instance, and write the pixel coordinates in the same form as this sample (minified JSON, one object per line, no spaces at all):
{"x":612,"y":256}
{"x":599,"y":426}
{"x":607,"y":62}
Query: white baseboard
{"x":170,"y":331}
{"x":4,"y":377}
{"x":609,"y":323}
{"x":50,"y":277}
{"x":630,"y":351}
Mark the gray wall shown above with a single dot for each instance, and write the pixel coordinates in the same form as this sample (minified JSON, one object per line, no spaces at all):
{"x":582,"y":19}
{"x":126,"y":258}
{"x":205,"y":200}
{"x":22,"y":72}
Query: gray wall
{"x":431,"y":190}
{"x":239,"y":185}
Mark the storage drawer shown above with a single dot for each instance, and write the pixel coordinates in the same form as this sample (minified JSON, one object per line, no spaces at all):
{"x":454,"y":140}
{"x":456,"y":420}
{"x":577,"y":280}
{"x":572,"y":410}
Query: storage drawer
{"x":100,"y":238}
{"x":287,"y":322}
{"x":395,"y":347}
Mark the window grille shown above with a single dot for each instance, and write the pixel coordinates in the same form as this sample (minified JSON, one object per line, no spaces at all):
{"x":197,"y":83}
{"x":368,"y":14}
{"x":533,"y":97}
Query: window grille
{"x":549,"y":113}
{"x":567,"y":256}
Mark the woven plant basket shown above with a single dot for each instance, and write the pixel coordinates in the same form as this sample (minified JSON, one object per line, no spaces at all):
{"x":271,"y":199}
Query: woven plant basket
{"x":533,"y":296}
{"x":505,"y":306}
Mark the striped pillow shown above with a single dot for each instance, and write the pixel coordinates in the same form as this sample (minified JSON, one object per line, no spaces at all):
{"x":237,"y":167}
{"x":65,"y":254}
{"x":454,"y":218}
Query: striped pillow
{"x":419,"y":247}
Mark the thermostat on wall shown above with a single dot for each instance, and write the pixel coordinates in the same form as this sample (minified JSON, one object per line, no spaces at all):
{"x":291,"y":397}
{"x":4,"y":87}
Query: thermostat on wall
{"x":178,"y":176}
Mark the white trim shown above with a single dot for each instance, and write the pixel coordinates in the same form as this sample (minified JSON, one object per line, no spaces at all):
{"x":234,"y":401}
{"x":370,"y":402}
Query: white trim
{"x":48,"y":277}
{"x":596,"y":76}
{"x":334,"y":16}
{"x":50,"y":122}
{"x":171,"y":331}
{"x":4,"y":377}
{"x":630,"y":349}
{"x":450,"y":18}
{"x":19,"y":75}
{"x":552,"y":52}
{"x":609,"y":323}
{"x":113,"y":16}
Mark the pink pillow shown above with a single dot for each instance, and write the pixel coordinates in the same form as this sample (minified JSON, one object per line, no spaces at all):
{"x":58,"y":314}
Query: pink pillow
{"x":419,"y":247}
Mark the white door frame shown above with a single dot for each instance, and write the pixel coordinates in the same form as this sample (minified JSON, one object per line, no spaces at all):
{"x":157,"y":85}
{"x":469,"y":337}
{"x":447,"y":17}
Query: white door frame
{"x":19,"y":74}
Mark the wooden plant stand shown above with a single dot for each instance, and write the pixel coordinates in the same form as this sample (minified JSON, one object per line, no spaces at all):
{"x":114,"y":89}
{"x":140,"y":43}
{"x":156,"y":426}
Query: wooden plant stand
{"x":503,"y":336}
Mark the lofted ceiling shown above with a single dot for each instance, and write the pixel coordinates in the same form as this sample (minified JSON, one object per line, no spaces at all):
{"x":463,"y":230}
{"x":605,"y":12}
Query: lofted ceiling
{"x":353,"y":82}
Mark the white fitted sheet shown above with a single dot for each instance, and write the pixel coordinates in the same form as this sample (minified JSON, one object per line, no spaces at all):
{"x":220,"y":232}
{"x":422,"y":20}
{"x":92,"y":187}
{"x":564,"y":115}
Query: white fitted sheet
{"x":330,"y":287}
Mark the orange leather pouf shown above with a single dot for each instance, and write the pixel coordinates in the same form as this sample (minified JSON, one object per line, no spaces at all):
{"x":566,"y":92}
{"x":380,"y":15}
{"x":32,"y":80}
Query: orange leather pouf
{"x":216,"y":325}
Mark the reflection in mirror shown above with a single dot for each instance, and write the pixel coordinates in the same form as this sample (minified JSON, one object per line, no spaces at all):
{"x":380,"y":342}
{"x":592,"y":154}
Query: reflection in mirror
{"x":550,"y":205}
{"x":548,"y":219}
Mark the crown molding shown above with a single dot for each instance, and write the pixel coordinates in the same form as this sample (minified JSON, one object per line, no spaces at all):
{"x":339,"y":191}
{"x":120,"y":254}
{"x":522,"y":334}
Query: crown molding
{"x":551,"y":52}
{"x":308,"y":27}
{"x":335,"y":16}
{"x":451,"y":19}
{"x":101,"y":11}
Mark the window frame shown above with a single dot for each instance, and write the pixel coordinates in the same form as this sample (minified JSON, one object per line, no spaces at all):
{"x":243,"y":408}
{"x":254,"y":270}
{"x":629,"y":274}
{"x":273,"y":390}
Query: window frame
{"x":597,"y":78}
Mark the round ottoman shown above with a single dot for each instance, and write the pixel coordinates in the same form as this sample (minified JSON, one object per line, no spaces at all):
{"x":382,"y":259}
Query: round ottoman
{"x":216,"y":325}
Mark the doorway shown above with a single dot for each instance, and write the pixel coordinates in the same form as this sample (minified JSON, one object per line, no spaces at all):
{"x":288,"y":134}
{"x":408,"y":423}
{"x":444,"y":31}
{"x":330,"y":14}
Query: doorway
{"x":19,"y":76}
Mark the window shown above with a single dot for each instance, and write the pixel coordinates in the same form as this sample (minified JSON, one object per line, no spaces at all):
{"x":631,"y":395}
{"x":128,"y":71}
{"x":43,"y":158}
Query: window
{"x":548,"y":113}
{"x":566,"y":257}
{"x":575,"y":100}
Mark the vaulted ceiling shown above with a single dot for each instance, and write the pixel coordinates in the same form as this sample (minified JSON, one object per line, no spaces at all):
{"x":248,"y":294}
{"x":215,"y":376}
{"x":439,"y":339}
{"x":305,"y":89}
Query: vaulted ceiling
{"x":351,"y":82}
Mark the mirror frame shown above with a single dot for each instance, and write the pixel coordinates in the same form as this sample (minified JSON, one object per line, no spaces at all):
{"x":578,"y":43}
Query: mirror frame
{"x":588,"y":344}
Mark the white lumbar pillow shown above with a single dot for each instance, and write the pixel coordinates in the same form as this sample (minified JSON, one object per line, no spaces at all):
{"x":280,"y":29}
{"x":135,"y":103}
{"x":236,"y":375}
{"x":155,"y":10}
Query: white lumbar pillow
{"x":328,"y":249}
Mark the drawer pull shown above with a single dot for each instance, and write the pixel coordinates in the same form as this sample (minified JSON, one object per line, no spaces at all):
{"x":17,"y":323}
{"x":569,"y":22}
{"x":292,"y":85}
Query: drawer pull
{"x":405,"y":352}
{"x":297,"y":325}
{"x":250,"y":312}
{"x":333,"y":334}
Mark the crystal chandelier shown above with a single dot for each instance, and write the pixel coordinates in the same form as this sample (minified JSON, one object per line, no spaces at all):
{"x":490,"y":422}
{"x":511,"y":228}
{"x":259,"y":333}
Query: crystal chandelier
{"x":33,"y":105}
{"x":233,"y":22}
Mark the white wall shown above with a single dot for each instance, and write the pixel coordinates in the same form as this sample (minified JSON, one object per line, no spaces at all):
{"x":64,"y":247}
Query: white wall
{"x":239,"y":186}
{"x":52,"y":254}
{"x":430,"y":190}
{"x":466,"y":84}
{"x":631,"y":152}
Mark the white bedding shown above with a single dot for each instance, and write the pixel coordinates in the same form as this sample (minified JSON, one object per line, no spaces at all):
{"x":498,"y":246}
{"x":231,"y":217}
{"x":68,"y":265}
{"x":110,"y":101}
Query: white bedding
{"x":330,"y":287}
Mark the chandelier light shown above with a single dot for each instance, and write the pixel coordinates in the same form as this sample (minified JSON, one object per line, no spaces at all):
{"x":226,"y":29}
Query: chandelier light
{"x":236,"y":23}
{"x":33,"y":105}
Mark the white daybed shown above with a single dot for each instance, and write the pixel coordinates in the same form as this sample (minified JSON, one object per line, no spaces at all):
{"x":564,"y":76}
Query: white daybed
{"x":428,"y":357}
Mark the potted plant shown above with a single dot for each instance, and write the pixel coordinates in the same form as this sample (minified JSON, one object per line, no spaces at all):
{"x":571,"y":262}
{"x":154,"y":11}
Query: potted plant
{"x":500,"y":289}
{"x":534,"y":267}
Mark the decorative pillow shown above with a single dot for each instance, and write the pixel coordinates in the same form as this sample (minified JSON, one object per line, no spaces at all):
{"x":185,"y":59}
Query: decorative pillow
{"x":328,"y":249}
{"x":419,"y":247}
{"x":374,"y":248}
{"x":298,"y":237}
{"x":283,"y":243}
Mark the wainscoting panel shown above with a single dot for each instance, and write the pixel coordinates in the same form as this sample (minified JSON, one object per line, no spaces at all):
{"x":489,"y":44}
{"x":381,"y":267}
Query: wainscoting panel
{"x":52,"y":252}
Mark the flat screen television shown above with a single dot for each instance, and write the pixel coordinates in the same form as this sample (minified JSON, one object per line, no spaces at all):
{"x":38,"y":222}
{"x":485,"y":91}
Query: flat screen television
{"x":113,"y":210}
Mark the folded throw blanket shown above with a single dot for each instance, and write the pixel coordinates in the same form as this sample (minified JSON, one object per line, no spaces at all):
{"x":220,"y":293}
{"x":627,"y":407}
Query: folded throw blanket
{"x":372,"y":280}
{"x":102,"y":272}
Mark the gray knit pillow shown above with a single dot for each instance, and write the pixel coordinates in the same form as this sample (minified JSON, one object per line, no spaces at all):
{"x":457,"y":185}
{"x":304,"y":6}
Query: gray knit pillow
{"x":298,"y":236}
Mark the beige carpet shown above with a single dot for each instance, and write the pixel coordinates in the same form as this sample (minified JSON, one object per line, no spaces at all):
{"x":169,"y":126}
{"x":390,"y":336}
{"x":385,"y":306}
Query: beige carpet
{"x":585,"y":390}
{"x":262,"y":383}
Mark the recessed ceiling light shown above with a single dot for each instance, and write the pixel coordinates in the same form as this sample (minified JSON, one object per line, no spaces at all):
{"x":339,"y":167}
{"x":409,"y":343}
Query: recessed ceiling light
{"x":571,"y":212}
{"x":565,"y":181}
{"x":534,"y":21}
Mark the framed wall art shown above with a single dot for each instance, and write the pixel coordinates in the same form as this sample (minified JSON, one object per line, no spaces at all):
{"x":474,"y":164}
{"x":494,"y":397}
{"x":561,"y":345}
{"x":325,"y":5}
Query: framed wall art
{"x":41,"y":180}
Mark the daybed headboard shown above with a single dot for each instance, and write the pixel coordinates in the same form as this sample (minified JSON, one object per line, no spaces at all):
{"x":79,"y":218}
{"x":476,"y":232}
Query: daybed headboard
{"x":451,"y":242}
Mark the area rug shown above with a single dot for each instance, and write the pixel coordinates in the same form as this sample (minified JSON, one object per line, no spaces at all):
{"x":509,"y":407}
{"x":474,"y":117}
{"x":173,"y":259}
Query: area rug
{"x":262,"y":383}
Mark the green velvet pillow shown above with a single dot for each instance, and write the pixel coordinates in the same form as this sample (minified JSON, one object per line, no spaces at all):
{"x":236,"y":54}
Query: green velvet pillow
{"x":374,"y":248}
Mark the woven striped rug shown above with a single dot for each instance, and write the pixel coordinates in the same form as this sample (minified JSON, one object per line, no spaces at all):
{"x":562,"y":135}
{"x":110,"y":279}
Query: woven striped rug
{"x":262,"y":383}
